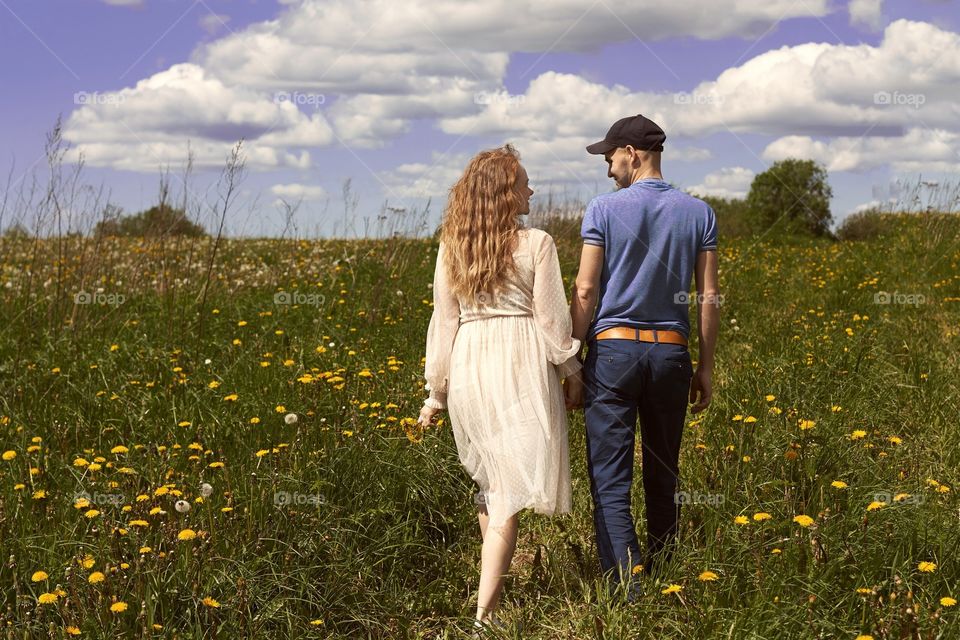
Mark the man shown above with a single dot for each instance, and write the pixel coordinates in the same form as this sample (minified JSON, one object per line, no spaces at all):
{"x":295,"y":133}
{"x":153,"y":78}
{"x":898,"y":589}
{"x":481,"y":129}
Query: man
{"x":641,"y":244}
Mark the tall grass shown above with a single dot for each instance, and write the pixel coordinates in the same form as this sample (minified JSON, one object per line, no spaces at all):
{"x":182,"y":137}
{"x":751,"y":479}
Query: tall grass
{"x":836,"y":364}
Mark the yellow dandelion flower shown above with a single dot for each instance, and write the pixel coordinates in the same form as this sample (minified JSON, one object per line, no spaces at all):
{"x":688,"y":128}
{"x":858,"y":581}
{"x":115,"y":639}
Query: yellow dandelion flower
{"x":770,"y":397}
{"x":9,"y":455}
{"x":707,"y":576}
{"x":118,"y":607}
{"x":838,"y":484}
{"x":210,"y":602}
{"x":72,"y":630}
{"x":741,"y":520}
{"x":761,"y":516}
{"x":803,"y":520}
{"x":927,"y":567}
{"x":186,"y":534}
{"x":47,"y":598}
{"x":873,"y":506}
{"x":672,"y":588}
{"x":858,"y":434}
{"x":807,"y":424}
{"x":947,"y":601}
{"x":39,"y":576}
{"x":96,"y":577}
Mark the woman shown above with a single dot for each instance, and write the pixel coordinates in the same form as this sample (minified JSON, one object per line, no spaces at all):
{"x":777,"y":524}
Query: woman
{"x":498,"y":343}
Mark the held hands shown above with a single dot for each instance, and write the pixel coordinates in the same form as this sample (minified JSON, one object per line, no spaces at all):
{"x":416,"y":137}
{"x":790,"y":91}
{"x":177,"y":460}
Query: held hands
{"x":700,"y":385}
{"x":573,"y":391}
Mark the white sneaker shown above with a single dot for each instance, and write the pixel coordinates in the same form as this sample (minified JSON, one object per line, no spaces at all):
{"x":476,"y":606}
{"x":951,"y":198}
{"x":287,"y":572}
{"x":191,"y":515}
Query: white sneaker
{"x":480,"y":627}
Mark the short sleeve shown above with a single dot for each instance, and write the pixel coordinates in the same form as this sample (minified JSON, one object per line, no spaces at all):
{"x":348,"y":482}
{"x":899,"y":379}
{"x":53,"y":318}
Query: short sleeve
{"x":708,"y":240}
{"x":551,"y":313}
{"x":593,"y":226}
{"x":444,"y":324}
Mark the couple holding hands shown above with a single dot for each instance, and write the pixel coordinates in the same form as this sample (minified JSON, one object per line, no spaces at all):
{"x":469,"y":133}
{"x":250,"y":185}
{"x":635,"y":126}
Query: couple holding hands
{"x":502,"y":337}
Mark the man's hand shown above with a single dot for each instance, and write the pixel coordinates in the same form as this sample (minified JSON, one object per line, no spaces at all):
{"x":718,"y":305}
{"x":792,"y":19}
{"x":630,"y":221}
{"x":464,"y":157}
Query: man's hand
{"x":700,"y":385}
{"x":573,"y":391}
{"x":426,"y":415}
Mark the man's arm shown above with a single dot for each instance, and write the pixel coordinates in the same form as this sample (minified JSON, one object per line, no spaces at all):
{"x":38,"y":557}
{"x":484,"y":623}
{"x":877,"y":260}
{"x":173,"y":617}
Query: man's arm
{"x":708,"y":320}
{"x":586,"y":290}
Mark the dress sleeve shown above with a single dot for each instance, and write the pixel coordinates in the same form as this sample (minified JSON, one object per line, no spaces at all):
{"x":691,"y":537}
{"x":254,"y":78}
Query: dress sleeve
{"x":551,"y":312}
{"x":444,"y":324}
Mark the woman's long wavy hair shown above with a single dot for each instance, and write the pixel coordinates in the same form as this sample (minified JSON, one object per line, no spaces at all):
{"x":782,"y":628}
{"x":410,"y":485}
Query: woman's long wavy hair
{"x":480,"y":224}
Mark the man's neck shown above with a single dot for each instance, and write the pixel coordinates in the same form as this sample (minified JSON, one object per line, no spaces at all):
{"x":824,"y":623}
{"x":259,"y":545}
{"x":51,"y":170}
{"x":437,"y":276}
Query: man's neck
{"x":643,"y":175}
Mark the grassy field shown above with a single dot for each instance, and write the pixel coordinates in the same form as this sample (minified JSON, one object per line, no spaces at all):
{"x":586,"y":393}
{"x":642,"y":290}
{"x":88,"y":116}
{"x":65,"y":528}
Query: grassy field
{"x":219,"y":441}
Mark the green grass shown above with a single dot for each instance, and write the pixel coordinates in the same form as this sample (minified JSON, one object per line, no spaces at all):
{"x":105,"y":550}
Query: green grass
{"x":378,"y":538}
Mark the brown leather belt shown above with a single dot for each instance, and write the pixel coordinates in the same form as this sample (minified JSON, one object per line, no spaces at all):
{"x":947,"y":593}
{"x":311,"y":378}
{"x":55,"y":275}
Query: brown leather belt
{"x":642,"y":335}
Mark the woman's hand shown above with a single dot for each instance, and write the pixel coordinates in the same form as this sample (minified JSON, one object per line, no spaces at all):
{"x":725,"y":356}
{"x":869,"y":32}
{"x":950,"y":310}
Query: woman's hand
{"x":573,"y":391}
{"x":426,"y":415}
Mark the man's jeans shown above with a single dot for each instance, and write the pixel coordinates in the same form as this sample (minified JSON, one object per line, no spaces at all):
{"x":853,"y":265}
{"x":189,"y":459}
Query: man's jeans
{"x":624,"y":380}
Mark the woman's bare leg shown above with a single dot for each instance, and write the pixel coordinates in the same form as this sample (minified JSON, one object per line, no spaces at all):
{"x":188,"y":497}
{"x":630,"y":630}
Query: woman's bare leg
{"x":498,"y":548}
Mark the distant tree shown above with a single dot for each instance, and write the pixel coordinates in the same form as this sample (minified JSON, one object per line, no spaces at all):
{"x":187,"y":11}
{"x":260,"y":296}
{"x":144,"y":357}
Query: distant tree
{"x":158,"y":220}
{"x":732,"y":220}
{"x":16,"y":231}
{"x":792,"y":195}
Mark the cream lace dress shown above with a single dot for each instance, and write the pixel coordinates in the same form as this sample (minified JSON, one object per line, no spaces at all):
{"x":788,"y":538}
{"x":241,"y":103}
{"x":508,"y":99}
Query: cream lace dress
{"x":496,"y":368}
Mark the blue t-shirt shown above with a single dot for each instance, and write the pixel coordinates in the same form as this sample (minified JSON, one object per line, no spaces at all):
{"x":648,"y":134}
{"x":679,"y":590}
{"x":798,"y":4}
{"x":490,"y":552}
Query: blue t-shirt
{"x":651,"y":234}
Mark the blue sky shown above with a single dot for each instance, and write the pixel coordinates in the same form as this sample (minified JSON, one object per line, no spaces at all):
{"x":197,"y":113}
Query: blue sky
{"x":397,"y":95}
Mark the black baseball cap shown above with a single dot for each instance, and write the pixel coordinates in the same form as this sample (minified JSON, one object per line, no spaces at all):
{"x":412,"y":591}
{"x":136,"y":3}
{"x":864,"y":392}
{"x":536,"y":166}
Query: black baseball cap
{"x":638,"y":131}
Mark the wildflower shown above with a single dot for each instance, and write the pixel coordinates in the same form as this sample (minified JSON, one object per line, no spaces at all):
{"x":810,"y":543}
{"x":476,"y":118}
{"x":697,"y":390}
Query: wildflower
{"x":186,"y":534}
{"x":672,"y":588}
{"x":803,"y":520}
{"x":118,"y":607}
{"x":707,"y":576}
{"x":39,"y":576}
{"x":927,"y":567}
